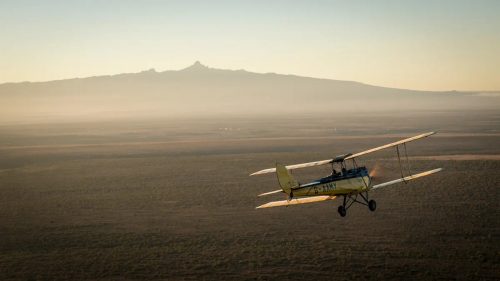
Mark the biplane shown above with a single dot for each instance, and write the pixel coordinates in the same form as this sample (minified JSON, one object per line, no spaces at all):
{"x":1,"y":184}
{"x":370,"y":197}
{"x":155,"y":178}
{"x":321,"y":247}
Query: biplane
{"x":347,"y":179}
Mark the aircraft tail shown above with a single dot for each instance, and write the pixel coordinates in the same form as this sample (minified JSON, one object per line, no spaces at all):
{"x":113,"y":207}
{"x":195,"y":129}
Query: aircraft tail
{"x":285,"y":179}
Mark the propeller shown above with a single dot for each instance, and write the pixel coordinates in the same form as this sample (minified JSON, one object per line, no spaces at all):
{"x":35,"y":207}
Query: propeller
{"x":376,"y":171}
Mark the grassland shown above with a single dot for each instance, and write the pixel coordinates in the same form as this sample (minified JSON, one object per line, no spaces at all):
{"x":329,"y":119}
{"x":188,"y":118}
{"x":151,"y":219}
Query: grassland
{"x":171,"y":199}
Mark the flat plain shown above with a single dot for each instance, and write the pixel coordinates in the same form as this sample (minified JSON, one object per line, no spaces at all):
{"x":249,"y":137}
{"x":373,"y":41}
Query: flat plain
{"x":172,"y":199}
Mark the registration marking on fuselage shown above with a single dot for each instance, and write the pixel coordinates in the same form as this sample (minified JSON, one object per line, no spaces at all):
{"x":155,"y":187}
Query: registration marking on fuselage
{"x":326,"y":187}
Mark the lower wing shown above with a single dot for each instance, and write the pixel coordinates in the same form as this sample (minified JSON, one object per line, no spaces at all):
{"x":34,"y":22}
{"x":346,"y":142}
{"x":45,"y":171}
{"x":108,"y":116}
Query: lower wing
{"x":297,"y":201}
{"x":405,"y":179}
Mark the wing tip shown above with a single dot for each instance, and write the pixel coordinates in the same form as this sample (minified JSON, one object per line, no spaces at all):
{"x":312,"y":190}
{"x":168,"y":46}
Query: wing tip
{"x":265,"y":171}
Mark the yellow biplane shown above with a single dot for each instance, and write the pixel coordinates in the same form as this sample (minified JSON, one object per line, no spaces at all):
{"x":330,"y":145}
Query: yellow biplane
{"x":348,"y":182}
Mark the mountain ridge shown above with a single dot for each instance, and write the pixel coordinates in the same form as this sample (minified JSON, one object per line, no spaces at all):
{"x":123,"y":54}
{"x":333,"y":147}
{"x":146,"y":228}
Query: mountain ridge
{"x":201,"y":90}
{"x":197,"y":66}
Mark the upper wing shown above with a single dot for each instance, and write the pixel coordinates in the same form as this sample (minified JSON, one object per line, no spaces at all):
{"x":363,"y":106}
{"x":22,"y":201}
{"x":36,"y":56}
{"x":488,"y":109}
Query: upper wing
{"x":296,"y":166}
{"x":343,"y":157}
{"x":408,"y":178}
{"x":270,"y":192}
{"x":296,"y":201}
{"x":389,"y":145}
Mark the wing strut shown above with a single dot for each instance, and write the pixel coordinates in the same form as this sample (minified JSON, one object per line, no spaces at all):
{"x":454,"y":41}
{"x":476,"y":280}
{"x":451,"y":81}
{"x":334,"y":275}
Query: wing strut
{"x":400,"y":166}
{"x":407,"y":162}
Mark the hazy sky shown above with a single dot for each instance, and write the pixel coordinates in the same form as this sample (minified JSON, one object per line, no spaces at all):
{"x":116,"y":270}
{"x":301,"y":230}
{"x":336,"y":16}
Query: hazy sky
{"x":434,"y":45}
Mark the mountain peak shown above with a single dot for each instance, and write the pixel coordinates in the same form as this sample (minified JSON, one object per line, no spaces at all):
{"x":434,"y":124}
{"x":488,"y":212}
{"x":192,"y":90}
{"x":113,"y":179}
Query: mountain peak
{"x":197,"y":66}
{"x":151,"y":70}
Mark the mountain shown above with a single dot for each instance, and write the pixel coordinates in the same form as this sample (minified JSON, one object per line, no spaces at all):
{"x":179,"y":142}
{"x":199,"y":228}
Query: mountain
{"x":199,"y":90}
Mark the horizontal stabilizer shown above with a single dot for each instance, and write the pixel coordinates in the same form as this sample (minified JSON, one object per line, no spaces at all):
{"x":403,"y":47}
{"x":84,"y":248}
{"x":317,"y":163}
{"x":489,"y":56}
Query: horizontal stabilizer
{"x":297,"y":201}
{"x":270,"y":192}
{"x":408,"y":178}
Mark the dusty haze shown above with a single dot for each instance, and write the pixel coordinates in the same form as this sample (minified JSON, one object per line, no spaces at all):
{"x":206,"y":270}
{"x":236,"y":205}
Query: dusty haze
{"x":202,"y":91}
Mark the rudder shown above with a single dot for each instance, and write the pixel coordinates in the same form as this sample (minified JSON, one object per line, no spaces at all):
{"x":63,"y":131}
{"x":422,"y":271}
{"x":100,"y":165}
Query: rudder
{"x":285,"y":179}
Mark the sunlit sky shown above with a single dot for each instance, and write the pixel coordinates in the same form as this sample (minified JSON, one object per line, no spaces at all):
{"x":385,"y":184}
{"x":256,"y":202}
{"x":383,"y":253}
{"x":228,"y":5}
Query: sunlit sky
{"x":427,"y":45}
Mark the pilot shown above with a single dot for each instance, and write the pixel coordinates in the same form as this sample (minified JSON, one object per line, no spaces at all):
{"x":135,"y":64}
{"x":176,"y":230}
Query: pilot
{"x":334,"y":173}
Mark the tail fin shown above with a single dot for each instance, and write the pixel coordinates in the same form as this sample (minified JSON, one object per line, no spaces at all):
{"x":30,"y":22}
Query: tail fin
{"x":287,"y":182}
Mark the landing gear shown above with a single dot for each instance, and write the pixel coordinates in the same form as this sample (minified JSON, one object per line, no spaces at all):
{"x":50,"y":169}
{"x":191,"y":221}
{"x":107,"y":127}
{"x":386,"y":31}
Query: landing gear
{"x":350,"y":199}
{"x":342,"y":211}
{"x":372,"y":205}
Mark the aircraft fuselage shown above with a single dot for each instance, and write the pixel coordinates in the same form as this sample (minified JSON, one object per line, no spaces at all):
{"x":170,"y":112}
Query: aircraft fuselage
{"x":348,"y":181}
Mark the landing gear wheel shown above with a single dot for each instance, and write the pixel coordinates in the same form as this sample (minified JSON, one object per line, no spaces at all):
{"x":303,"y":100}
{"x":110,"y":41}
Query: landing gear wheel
{"x":372,"y":205}
{"x":342,"y":211}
